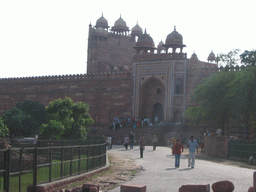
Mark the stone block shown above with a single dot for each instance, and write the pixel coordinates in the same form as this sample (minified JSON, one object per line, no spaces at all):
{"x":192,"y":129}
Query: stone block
{"x":94,"y":189}
{"x":195,"y":188}
{"x":131,"y":187}
{"x":90,"y":188}
{"x":77,"y":189}
{"x":254,"y":180}
{"x":223,"y":186}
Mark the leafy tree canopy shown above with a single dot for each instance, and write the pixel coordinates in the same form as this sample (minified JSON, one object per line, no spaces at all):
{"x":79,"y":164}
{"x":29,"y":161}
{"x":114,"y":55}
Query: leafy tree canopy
{"x":25,"y":118}
{"x":228,"y":96}
{"x":213,"y":99}
{"x":230,"y":59}
{"x":66,"y":119}
{"x":248,"y":58}
{"x":3,"y":128}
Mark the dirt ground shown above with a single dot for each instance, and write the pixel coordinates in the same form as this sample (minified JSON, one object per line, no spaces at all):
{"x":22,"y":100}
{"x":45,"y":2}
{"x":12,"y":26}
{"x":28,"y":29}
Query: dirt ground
{"x":124,"y":169}
{"x":121,"y":169}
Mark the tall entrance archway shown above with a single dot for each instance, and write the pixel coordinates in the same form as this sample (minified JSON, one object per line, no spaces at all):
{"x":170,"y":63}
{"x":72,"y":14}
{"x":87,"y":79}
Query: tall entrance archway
{"x":157,"y":112}
{"x":152,"y":97}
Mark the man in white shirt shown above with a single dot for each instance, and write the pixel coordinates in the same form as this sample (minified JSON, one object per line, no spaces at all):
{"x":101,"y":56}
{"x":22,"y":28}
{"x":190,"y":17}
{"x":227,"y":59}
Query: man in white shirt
{"x":193,"y":147}
{"x":109,"y":140}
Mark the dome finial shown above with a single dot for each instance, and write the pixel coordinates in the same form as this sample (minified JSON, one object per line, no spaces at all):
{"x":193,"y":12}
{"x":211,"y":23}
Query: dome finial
{"x":174,"y":27}
{"x":145,"y":31}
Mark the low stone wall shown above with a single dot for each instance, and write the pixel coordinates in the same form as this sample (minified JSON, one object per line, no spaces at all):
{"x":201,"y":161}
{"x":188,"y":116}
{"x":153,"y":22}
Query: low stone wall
{"x":56,"y":185}
{"x":216,"y":146}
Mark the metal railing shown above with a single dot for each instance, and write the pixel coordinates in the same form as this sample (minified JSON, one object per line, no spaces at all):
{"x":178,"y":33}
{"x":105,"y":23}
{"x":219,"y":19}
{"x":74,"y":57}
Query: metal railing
{"x":242,"y":149}
{"x":23,"y":167}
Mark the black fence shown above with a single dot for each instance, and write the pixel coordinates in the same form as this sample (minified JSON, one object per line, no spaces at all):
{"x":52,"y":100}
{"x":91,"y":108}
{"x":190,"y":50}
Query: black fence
{"x":242,"y":149}
{"x":49,"y":161}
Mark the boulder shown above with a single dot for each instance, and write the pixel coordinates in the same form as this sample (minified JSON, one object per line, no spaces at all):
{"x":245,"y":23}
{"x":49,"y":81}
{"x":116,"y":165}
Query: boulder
{"x":195,"y":188}
{"x":223,"y":186}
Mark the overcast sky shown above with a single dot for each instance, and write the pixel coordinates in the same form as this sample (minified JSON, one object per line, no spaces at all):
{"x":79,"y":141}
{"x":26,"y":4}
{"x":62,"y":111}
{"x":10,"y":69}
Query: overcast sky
{"x":49,"y":37}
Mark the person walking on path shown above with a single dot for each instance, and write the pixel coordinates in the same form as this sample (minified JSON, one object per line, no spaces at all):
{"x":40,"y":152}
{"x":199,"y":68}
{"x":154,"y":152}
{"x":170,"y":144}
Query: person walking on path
{"x":178,"y":149}
{"x":154,"y":141}
{"x":126,"y":141}
{"x":109,"y":141}
{"x":142,"y":146}
{"x":193,"y":147}
{"x":131,"y":136}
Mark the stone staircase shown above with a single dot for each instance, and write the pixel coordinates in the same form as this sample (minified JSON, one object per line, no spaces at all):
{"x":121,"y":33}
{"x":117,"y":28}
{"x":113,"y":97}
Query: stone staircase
{"x":163,"y":133}
{"x":118,"y":135}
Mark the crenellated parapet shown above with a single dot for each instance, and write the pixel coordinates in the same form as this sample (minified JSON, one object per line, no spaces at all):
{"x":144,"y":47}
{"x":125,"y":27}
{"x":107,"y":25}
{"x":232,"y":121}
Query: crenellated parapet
{"x":202,"y":70}
{"x":232,"y":68}
{"x":160,"y":56}
{"x":65,"y":78}
{"x":206,"y":70}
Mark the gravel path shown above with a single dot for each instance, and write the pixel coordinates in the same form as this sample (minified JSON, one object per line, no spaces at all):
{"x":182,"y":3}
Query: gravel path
{"x":160,"y":175}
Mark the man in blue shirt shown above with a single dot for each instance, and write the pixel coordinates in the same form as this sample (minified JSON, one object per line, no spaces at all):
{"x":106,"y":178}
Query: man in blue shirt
{"x":192,"y":145}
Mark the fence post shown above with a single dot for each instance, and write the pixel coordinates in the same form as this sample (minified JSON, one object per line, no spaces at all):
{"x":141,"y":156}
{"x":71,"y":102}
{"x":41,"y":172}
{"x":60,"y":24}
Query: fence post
{"x":20,"y":168}
{"x":62,"y":164}
{"x":93,"y":155}
{"x":35,"y":170}
{"x":228,"y":153}
{"x":71,"y":161}
{"x":7,"y":170}
{"x":79,"y":162}
{"x":50,"y":171}
{"x":88,"y":156}
{"x":100,"y":156}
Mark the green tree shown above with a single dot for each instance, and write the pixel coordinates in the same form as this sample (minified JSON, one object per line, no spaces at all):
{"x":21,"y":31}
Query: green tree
{"x":25,"y":118}
{"x":230,"y":59}
{"x":214,"y":102}
{"x":66,"y":119}
{"x":53,"y":128}
{"x":14,"y":120}
{"x":244,"y":94}
{"x":248,"y":58}
{"x":3,"y":128}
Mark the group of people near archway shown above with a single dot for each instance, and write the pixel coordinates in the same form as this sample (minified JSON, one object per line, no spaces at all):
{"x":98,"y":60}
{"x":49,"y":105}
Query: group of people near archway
{"x":134,"y":122}
{"x":177,"y":148}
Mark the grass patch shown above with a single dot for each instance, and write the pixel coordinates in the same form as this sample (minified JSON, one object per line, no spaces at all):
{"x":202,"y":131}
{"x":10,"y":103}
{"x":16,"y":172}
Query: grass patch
{"x":43,"y":174}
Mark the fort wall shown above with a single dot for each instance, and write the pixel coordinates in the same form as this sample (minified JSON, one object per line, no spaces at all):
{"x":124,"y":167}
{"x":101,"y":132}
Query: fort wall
{"x":108,"y":94}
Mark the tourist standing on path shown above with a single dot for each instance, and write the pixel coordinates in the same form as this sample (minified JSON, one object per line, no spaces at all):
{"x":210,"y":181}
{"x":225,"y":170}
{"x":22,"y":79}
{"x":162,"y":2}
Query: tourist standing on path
{"x":154,"y":141}
{"x":142,"y":146}
{"x":178,"y":149}
{"x":126,"y":141}
{"x":109,"y":141}
{"x":193,"y":147}
{"x":156,"y":120}
{"x":131,"y":136}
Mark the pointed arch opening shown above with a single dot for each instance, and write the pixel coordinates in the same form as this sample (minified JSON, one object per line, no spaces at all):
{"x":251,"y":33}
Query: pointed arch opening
{"x":152,"y":97}
{"x":157,"y":112}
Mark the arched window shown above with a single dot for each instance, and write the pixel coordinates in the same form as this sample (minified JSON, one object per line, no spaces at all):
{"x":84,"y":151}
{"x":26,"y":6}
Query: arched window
{"x":178,"y":85}
{"x":158,"y":91}
{"x":178,"y":89}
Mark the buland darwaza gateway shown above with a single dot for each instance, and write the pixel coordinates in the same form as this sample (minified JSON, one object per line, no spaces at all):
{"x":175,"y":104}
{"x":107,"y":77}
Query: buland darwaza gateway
{"x":127,"y":76}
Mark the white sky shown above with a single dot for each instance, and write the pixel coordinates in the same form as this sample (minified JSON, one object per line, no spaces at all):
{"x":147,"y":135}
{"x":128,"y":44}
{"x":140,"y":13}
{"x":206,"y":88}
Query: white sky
{"x":49,"y":37}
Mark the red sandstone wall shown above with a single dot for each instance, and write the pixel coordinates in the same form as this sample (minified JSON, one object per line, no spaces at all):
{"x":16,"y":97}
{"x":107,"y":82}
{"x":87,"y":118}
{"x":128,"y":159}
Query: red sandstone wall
{"x":194,"y":77}
{"x":116,"y":50}
{"x":216,"y":146}
{"x":107,"y":94}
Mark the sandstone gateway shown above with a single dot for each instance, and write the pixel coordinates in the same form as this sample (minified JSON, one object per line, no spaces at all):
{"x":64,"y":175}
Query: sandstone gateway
{"x":127,"y":76}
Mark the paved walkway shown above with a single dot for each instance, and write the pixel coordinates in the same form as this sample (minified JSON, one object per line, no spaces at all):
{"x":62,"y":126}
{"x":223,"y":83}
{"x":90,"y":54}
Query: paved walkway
{"x":160,"y":175}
